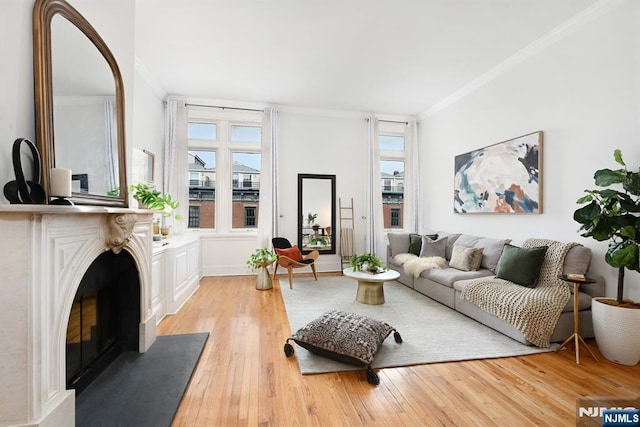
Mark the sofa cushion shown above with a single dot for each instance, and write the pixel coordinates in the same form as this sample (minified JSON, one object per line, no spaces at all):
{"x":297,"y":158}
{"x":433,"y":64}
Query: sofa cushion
{"x":577,"y":260}
{"x":465,"y":258}
{"x":448,"y":276}
{"x":431,"y":247}
{"x":451,"y":240}
{"x":521,"y":265}
{"x":584,"y":299}
{"x":492,"y":251}
{"x":398,"y":243}
{"x":584,"y":302}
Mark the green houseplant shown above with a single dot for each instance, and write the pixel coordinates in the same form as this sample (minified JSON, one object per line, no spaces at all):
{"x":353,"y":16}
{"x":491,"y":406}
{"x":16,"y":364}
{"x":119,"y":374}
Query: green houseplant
{"x":311,"y":218}
{"x":612,"y":214}
{"x":261,"y":259}
{"x":318,"y":241}
{"x":367,"y":261}
{"x":149,"y":197}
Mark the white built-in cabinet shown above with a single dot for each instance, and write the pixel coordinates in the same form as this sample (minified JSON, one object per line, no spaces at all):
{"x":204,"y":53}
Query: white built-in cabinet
{"x":176,"y":270}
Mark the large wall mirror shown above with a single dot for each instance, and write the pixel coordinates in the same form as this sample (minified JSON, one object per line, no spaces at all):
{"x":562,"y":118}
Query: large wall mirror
{"x":79,"y":94}
{"x":317,"y":213}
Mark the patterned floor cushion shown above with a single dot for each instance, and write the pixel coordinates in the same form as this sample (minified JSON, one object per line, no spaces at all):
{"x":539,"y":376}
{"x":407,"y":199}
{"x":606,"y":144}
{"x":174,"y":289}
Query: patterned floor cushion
{"x":346,"y":337}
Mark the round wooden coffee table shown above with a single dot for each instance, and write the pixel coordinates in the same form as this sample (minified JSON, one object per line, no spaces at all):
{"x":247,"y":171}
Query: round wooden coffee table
{"x":371,"y":286}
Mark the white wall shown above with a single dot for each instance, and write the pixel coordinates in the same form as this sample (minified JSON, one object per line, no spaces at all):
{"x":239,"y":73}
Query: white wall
{"x":583,"y":91}
{"x":309,"y":142}
{"x":16,"y":82}
{"x":148,"y":126}
{"x":320,"y":142}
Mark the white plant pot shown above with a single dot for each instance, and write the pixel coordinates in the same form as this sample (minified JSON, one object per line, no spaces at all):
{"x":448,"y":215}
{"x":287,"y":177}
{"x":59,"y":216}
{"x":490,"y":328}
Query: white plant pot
{"x":617,"y":332}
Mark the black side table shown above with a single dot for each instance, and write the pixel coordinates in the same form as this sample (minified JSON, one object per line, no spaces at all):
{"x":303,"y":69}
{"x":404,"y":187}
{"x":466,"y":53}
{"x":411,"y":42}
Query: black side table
{"x":576,"y":336}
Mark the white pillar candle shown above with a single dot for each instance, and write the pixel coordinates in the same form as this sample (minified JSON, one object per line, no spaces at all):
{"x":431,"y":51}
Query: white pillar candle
{"x":60,"y":182}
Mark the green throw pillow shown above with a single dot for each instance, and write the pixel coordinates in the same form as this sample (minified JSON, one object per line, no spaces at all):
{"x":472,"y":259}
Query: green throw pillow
{"x":415,"y":242}
{"x":521,"y":265}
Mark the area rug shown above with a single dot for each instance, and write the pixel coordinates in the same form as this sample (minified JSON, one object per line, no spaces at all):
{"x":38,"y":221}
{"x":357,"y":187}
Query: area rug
{"x":431,"y":331}
{"x":142,"y":389}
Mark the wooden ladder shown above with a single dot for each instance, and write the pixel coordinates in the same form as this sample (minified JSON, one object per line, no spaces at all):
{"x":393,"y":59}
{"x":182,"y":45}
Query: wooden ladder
{"x":347,"y":224}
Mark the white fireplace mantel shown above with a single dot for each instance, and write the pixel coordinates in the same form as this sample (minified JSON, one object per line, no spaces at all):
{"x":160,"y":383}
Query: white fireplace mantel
{"x":47,"y":251}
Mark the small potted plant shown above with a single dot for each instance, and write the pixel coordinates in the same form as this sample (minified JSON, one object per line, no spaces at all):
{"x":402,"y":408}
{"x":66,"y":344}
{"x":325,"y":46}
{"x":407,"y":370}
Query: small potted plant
{"x":318,"y":242}
{"x":613,"y":214}
{"x":150,"y":198}
{"x":367,"y":262}
{"x":262,"y":258}
{"x":311,"y":218}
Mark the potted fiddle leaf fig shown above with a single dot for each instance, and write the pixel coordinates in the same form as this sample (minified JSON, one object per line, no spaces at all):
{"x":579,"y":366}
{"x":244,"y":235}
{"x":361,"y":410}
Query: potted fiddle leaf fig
{"x":612,"y":214}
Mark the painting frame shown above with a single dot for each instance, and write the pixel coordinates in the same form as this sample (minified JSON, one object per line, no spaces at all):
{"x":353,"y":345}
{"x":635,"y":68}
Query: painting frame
{"x":502,"y":178}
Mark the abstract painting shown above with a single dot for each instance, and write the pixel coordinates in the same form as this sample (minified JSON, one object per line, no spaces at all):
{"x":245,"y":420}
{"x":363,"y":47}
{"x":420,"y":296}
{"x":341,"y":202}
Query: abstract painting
{"x":502,"y":178}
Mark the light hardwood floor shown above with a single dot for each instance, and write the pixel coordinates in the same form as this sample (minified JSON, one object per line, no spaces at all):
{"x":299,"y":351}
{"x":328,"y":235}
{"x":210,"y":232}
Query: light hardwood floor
{"x":244,"y":379}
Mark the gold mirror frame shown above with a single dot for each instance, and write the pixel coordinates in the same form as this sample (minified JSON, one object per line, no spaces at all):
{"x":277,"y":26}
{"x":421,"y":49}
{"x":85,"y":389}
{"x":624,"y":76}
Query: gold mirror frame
{"x":43,"y":13}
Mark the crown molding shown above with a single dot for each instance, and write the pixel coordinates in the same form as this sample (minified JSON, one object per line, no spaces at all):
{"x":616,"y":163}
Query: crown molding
{"x":146,"y":75}
{"x":558,"y":33}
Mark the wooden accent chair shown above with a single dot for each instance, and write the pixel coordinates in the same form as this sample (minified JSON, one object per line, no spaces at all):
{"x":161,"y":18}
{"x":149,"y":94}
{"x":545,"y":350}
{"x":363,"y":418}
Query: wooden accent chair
{"x":290,"y":257}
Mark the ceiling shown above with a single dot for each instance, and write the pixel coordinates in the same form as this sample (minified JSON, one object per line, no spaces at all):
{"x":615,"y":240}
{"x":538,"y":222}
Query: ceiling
{"x":377,"y":56}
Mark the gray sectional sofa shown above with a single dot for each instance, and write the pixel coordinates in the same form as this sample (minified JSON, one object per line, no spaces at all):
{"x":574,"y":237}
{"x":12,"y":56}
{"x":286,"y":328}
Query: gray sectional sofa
{"x":446,"y":284}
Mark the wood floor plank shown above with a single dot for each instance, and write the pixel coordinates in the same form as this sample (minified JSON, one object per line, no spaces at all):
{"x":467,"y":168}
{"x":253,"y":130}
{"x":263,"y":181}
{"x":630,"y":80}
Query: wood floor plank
{"x":244,"y":379}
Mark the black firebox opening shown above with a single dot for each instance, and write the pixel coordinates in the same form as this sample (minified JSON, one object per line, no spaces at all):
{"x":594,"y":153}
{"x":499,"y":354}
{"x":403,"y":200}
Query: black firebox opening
{"x":104,"y":319}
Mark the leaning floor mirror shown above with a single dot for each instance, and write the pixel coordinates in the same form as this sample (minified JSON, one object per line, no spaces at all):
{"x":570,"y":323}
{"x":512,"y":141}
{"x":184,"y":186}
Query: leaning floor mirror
{"x":316,"y":213}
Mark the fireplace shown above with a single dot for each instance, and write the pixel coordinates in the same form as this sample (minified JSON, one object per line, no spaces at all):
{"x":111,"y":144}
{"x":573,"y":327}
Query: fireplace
{"x":67,"y":262}
{"x":104,"y":318}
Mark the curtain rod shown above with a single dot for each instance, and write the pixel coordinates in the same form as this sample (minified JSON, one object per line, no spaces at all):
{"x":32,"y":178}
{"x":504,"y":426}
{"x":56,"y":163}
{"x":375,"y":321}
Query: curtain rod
{"x":223,"y":108}
{"x":389,"y":121}
{"x":393,"y":121}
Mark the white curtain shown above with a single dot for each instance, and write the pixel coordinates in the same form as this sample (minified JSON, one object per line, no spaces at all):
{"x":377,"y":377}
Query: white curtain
{"x":111,"y":144}
{"x":376,"y":243}
{"x":411,"y":183}
{"x":175,"y":161}
{"x":268,"y":210}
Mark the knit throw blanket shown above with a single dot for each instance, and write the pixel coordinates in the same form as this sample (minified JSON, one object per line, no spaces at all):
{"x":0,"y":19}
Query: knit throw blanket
{"x":532,"y":311}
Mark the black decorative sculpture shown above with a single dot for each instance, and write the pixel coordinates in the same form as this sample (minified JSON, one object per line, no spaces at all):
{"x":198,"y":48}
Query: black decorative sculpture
{"x":21,"y":191}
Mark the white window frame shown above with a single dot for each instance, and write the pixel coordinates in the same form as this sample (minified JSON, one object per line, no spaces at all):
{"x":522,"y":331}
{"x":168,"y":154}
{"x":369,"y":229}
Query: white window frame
{"x":224,"y":147}
{"x":394,"y":129}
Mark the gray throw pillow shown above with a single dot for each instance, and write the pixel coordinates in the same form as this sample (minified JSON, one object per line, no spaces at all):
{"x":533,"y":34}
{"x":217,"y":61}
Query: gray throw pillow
{"x":521,"y":265}
{"x":432,"y":247}
{"x":415,"y":242}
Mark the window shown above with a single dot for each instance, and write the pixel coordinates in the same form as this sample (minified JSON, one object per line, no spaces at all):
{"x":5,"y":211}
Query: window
{"x":194,"y":216}
{"x":250,"y":217}
{"x":395,"y":218}
{"x":392,"y":151}
{"x":201,"y":166}
{"x":224,"y":164}
{"x":204,"y":131}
